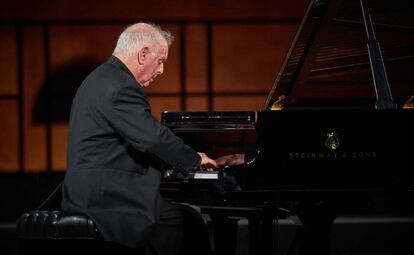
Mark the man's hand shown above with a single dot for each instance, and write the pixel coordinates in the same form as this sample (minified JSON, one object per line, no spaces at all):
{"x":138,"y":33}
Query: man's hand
{"x":207,"y":162}
{"x":230,"y":160}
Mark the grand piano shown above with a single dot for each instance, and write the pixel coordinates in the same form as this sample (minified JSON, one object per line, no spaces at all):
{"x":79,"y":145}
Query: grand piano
{"x":335,"y":130}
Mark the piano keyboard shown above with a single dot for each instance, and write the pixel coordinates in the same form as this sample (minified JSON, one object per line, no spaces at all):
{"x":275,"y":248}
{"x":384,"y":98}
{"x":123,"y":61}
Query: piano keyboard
{"x":204,"y":175}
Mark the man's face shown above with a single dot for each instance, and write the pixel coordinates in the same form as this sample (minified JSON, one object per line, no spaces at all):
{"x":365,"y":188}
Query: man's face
{"x":153,"y":63}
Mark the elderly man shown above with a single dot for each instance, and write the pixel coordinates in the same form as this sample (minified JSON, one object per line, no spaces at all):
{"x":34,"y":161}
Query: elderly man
{"x":116,"y":149}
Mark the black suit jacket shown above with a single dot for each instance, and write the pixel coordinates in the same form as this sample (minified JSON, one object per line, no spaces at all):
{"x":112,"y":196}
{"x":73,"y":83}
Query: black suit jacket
{"x":115,"y":148}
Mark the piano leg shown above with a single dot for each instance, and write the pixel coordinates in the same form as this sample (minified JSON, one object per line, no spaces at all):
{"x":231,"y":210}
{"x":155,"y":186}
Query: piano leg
{"x":263,"y":230}
{"x":225,"y":234}
{"x":262,"y":236}
{"x":315,"y":232}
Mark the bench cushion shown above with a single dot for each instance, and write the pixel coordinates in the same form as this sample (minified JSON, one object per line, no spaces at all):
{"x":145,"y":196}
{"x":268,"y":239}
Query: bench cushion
{"x":56,"y":225}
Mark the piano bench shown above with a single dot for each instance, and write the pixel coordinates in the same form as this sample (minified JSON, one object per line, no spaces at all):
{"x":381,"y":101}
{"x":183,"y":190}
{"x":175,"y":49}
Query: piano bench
{"x":58,"y":232}
{"x":56,"y":225}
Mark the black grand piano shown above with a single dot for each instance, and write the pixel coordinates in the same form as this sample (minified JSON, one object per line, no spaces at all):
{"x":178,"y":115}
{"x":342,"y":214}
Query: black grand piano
{"x":335,"y":129}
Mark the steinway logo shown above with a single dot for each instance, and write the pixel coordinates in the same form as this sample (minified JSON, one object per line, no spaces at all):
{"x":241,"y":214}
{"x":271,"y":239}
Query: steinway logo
{"x":333,"y":155}
{"x":332,"y":142}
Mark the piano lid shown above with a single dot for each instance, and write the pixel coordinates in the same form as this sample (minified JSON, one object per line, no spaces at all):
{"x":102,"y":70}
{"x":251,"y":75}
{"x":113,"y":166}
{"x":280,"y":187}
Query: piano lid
{"x":328,"y":62}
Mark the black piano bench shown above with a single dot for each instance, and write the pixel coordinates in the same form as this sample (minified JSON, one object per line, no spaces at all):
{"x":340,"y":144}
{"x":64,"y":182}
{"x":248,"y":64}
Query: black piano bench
{"x":56,"y":225}
{"x":49,"y":230}
{"x":58,"y":232}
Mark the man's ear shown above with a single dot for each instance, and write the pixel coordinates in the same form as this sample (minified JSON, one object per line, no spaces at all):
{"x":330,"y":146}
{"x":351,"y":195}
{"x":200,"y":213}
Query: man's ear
{"x":143,"y":55}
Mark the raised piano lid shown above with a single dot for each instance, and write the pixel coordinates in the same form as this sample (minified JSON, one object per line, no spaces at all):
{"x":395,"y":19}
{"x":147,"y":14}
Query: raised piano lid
{"x":327,"y":94}
{"x":328,"y":62}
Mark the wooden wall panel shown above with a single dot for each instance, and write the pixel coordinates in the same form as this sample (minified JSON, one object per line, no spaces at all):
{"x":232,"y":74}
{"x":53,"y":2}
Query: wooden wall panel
{"x":155,"y":9}
{"x":247,"y":57}
{"x":71,"y":44}
{"x":9,"y":136}
{"x":238,"y":103}
{"x":35,"y":156}
{"x":196,"y":58}
{"x":8,"y":61}
{"x":160,"y":104}
{"x":59,"y":134}
{"x":197,"y":103}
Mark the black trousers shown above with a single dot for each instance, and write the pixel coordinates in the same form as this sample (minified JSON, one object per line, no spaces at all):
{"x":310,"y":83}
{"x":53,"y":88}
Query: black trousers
{"x":181,"y":231}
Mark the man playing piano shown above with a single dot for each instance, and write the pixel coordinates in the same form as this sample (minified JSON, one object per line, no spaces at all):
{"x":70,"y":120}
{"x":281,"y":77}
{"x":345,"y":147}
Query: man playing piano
{"x":116,"y":149}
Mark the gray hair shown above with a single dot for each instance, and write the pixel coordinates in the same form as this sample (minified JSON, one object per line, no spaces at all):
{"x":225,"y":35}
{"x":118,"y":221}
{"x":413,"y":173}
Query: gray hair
{"x":141,"y":34}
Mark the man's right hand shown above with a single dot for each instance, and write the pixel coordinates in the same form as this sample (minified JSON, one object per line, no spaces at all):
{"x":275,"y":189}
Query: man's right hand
{"x":207,"y":162}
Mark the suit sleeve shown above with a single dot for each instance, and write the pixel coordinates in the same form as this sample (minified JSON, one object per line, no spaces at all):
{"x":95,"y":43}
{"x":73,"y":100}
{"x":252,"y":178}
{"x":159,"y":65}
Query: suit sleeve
{"x":131,"y":117}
